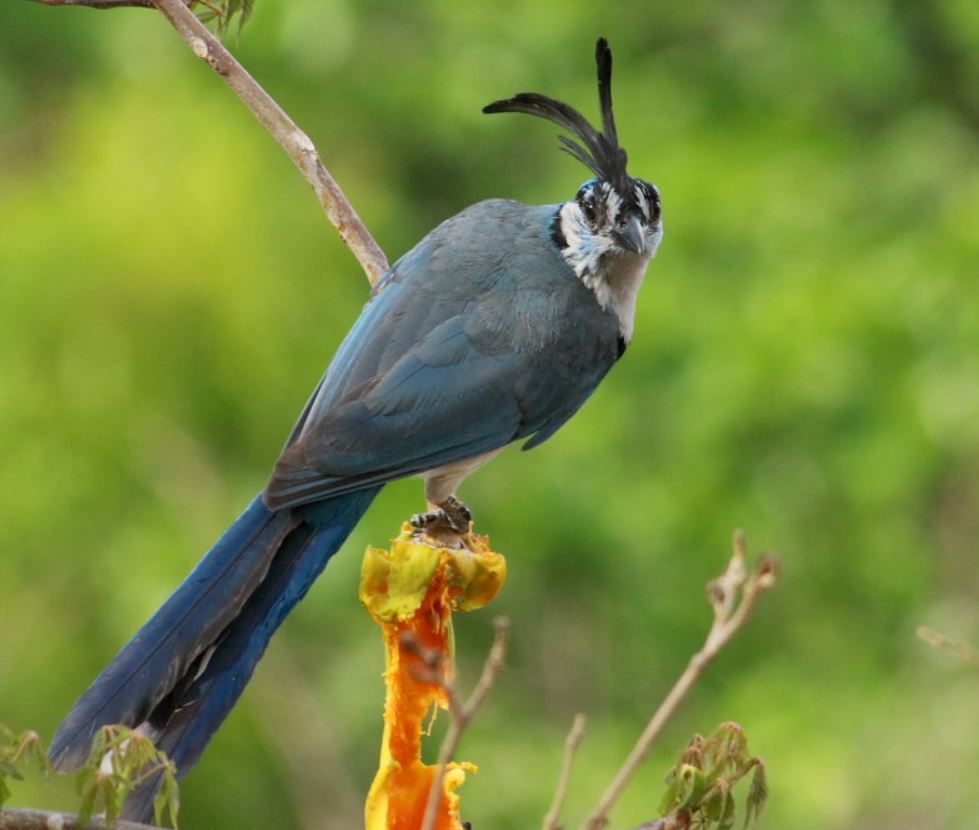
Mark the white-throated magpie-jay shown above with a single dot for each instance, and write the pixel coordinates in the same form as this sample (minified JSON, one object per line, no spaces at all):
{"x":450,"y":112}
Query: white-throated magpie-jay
{"x":496,"y":327}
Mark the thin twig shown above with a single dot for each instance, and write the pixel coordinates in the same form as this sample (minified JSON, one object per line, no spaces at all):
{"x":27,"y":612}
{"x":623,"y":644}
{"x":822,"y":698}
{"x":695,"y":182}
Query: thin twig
{"x":939,"y":641}
{"x":293,"y":140}
{"x":733,"y":595}
{"x":461,"y":715}
{"x":571,"y":744}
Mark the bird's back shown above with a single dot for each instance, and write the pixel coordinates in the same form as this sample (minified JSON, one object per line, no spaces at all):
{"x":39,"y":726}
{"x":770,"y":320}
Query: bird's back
{"x":478,"y":336}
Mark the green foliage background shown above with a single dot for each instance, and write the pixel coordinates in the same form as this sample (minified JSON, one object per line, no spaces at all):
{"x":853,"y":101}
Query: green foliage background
{"x":805,"y":366}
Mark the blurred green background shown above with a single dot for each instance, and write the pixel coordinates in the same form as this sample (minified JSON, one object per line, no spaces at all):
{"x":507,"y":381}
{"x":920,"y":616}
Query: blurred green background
{"x":805,"y":367}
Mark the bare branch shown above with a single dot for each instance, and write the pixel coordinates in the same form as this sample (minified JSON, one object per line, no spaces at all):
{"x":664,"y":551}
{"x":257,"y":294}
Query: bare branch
{"x":733,"y":596}
{"x":939,"y":641}
{"x":461,"y":715}
{"x":17,"y":819}
{"x":571,"y":744}
{"x":293,"y":140}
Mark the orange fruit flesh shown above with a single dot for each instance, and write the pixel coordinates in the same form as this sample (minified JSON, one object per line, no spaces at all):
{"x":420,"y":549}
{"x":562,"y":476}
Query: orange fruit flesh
{"x":411,"y":590}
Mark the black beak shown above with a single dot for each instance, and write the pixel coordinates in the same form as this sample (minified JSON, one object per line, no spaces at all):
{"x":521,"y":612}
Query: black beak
{"x":632,"y":236}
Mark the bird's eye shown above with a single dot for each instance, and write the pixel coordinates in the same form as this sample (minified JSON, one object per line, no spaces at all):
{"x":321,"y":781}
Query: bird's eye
{"x":588,"y":208}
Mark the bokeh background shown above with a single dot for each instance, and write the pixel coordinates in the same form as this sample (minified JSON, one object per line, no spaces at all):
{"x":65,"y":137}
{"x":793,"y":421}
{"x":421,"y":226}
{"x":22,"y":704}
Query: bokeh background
{"x":805,"y":367}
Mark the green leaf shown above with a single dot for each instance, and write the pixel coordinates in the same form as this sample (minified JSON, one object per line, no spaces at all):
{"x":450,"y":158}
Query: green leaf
{"x":726,"y":821}
{"x":668,"y":802}
{"x":727,"y":749}
{"x":14,"y":753}
{"x":693,"y":783}
{"x":166,"y":805}
{"x":112,"y":798}
{"x":757,"y":794}
{"x":713,"y":803}
{"x":694,"y":753}
{"x":119,"y":761}
{"x":700,"y":787}
{"x":89,"y":792}
{"x":223,"y":13}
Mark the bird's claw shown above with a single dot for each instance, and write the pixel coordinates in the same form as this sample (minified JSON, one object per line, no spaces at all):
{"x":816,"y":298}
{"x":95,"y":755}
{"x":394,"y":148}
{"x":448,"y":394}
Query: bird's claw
{"x":451,"y":514}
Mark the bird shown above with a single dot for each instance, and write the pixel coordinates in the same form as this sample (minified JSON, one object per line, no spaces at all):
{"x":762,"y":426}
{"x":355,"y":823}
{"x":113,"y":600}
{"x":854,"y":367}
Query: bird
{"x":495,"y":328}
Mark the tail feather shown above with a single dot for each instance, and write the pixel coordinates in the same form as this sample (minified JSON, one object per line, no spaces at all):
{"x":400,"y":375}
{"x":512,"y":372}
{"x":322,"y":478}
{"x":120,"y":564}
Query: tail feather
{"x":149,"y":665}
{"x":182,"y":726}
{"x":199,"y":629}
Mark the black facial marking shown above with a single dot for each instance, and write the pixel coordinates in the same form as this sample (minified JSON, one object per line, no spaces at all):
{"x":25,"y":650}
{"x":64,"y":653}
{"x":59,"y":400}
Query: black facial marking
{"x":557,"y":232}
{"x":651,"y":195}
{"x":592,"y":199}
{"x":622,"y":347}
{"x":588,"y":208}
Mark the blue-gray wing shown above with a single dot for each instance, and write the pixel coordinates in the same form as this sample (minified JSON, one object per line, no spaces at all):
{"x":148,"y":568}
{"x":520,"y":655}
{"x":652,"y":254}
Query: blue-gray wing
{"x":480,"y":335}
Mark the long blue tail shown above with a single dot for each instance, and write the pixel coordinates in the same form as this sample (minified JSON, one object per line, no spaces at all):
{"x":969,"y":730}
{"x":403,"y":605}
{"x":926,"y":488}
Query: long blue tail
{"x":179,"y":677}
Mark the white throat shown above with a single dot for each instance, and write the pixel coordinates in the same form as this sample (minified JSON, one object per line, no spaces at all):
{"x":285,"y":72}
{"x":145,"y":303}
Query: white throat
{"x":613,"y":276}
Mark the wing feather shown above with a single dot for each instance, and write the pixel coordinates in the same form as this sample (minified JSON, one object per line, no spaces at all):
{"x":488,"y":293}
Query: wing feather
{"x":457,"y":356}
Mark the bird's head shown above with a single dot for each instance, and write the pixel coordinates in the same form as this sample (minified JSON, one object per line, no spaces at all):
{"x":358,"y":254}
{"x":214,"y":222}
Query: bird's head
{"x":614,"y":222}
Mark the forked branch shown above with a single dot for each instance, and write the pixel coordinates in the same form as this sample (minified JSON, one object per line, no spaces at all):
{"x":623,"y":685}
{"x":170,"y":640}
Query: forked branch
{"x":461,"y":713}
{"x":571,"y":744}
{"x":733,"y":596}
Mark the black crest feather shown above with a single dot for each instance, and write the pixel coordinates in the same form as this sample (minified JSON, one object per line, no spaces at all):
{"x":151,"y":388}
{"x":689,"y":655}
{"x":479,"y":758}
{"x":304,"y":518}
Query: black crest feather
{"x":598,"y":151}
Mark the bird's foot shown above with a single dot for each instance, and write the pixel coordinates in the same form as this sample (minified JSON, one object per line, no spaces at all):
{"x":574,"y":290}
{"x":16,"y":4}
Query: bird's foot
{"x":451,"y":514}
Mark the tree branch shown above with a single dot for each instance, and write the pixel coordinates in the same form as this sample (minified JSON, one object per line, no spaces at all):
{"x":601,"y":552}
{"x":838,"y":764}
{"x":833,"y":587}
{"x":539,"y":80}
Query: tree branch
{"x":461,"y":714}
{"x":18,"y":819}
{"x":293,"y":140}
{"x":270,"y":115}
{"x":733,"y":595}
{"x":571,"y":744}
